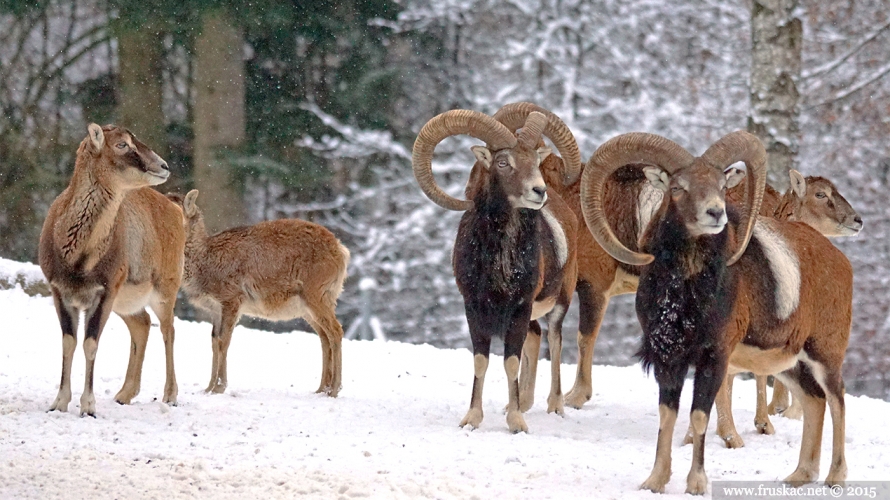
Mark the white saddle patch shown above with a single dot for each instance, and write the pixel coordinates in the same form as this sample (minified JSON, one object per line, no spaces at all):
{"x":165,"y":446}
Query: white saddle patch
{"x":560,"y":243}
{"x":784,"y":265}
{"x":650,"y":199}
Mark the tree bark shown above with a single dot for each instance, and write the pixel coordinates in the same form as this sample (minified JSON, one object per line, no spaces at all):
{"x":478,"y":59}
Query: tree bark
{"x":141,"y":87}
{"x":776,"y":37}
{"x":219,"y":119}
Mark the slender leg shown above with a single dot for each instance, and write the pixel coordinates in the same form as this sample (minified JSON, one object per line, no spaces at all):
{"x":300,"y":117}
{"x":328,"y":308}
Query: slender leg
{"x":164,"y":310}
{"x":529,"y":366}
{"x":138,"y":324}
{"x":668,"y":403}
{"x":812,"y":398}
{"x":68,"y":321}
{"x":811,"y":440}
{"x":556,"y":401}
{"x":336,"y":354}
{"x":592,"y":307}
{"x":515,"y":422}
{"x":761,"y":416}
{"x":329,"y":330}
{"x":95,"y":320}
{"x":214,"y":361}
{"x":779,"y":403}
{"x":230,"y":316}
{"x":473,"y":417}
{"x":833,"y":385}
{"x":726,"y":428}
{"x":325,"y":384}
{"x":708,"y":382}
{"x":513,"y":344}
{"x":794,"y":410}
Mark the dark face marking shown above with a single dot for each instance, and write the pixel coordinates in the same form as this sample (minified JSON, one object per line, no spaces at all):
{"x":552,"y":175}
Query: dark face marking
{"x":127,"y":152}
{"x":699,"y":193}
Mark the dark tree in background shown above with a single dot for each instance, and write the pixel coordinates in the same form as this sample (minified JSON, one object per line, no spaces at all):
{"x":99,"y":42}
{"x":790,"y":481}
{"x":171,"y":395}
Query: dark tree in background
{"x":219,"y":117}
{"x":140,"y":39}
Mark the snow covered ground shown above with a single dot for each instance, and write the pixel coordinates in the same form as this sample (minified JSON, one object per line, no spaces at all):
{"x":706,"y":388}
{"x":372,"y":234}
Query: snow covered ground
{"x":392,"y":433}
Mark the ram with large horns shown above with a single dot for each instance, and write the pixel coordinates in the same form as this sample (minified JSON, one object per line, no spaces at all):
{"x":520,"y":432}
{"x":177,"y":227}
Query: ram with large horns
{"x":514,"y":256}
{"x":714,"y":297}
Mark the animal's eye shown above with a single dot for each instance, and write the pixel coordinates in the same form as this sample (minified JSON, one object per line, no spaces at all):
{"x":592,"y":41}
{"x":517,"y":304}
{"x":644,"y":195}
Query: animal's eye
{"x":502,"y":163}
{"x":820,"y":195}
{"x":676,"y":189}
{"x":121,"y":145}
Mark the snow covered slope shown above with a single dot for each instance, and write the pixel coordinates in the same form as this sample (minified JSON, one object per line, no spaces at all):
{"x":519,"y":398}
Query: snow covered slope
{"x":392,"y":433}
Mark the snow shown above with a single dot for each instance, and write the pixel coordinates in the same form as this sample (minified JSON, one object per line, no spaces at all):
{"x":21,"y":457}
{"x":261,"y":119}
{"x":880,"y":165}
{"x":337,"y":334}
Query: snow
{"x":27,"y":273}
{"x":392,"y":433}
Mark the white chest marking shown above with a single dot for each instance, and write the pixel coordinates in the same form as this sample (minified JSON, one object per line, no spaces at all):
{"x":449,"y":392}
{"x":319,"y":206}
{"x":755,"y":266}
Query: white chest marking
{"x":560,"y":243}
{"x":784,"y":265}
{"x":650,"y":199}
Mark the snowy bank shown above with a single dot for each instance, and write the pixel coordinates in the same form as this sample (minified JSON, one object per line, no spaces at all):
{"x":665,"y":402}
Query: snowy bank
{"x":25,"y":275}
{"x":392,"y":433}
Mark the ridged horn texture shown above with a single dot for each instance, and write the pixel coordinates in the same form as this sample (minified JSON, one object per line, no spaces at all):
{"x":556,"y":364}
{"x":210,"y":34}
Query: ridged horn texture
{"x":447,"y":124}
{"x":610,"y":156}
{"x":514,"y":115}
{"x":742,"y":146}
{"x":531,"y":132}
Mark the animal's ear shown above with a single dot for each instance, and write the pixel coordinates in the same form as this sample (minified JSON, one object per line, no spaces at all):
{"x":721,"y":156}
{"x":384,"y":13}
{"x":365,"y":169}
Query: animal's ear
{"x":188,"y":205}
{"x":733,"y":176}
{"x":658,"y":178}
{"x":483,"y":155}
{"x":543,"y":153}
{"x":798,"y":183}
{"x":97,"y":137}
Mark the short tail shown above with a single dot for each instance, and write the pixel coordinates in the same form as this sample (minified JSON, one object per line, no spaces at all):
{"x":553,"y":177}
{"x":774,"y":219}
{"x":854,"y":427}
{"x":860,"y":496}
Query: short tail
{"x":335,"y":287}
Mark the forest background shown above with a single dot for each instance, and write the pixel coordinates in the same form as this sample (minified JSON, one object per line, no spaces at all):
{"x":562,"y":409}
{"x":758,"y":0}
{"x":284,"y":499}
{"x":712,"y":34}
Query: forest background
{"x":309,"y":109}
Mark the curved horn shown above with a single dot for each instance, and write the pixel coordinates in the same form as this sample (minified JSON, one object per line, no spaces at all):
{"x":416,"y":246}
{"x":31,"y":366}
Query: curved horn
{"x":514,"y":115}
{"x":742,"y":146}
{"x":454,"y":122}
{"x":531,"y":132}
{"x":613,"y":154}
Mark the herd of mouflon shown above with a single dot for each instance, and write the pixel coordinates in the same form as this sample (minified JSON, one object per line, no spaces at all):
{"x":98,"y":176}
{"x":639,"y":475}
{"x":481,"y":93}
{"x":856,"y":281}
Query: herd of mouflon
{"x":730,"y":275}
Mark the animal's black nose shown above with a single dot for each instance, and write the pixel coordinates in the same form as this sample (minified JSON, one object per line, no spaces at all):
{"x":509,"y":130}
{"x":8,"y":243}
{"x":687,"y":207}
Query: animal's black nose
{"x":857,"y":220}
{"x":715,"y":212}
{"x":165,"y":166}
{"x":540,"y":191}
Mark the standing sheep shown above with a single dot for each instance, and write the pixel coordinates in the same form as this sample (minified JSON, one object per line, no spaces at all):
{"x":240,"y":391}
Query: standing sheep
{"x":111,"y":243}
{"x":514,"y":256}
{"x":277,"y":270}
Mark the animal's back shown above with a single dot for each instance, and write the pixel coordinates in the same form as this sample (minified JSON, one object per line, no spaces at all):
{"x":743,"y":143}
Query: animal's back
{"x":278,"y":263}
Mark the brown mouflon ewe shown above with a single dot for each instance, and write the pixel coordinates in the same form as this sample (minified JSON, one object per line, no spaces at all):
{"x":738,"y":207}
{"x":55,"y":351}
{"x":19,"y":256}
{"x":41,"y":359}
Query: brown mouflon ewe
{"x":110,"y":243}
{"x":276,"y":270}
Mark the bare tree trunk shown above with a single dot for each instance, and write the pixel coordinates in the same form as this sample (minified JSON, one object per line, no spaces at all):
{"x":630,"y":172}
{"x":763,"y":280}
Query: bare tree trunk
{"x":219,"y":119}
{"x":777,"y":37}
{"x":141,"y":90}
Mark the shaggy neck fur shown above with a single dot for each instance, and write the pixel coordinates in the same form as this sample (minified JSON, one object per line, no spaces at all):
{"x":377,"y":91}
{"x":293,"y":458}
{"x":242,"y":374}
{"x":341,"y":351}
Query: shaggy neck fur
{"x":683,"y":298}
{"x":195,"y":246}
{"x":497,"y":252}
{"x":84,"y":227}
